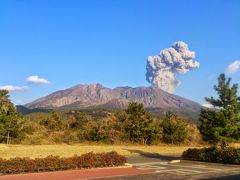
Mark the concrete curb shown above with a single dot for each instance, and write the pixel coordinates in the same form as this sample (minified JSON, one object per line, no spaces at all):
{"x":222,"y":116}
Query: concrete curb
{"x":160,"y":162}
{"x":174,"y":161}
{"x":126,"y":165}
{"x":202,"y":162}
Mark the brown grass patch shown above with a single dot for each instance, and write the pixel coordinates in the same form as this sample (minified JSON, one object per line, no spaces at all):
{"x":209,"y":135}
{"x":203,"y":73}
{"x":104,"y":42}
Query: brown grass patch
{"x":37,"y":151}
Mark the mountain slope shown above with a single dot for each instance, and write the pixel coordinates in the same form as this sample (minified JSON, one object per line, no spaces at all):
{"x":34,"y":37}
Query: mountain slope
{"x":81,"y":95}
{"x":96,"y":95}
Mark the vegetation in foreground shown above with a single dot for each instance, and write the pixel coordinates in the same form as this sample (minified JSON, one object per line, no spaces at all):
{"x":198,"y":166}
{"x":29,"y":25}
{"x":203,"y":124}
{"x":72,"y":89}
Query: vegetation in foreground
{"x":55,"y":163}
{"x":134,"y":125}
{"x":228,"y":155}
{"x":11,"y":122}
{"x":220,"y":126}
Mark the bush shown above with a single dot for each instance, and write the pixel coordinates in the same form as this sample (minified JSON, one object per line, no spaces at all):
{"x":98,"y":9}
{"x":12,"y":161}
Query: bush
{"x":228,"y":155}
{"x":55,"y":163}
{"x":194,"y":136}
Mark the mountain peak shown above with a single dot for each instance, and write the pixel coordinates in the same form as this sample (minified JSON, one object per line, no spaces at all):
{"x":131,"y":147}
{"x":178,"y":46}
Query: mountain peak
{"x":93,"y":85}
{"x":89,"y":95}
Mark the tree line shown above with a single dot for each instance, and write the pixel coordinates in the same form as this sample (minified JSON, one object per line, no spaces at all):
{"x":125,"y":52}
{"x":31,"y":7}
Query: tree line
{"x":133,"y":125}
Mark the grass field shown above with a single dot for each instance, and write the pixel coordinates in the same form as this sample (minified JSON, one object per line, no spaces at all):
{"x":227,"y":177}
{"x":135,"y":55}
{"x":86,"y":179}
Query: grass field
{"x":34,"y":151}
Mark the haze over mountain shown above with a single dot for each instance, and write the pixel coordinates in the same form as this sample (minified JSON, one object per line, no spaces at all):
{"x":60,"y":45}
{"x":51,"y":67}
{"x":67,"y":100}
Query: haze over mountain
{"x":98,"y":96}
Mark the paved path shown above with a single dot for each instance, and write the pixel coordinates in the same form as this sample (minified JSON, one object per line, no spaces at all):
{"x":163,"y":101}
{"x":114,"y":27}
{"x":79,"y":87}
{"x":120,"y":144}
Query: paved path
{"x":184,"y":170}
{"x":78,"y":174}
{"x":159,"y":176}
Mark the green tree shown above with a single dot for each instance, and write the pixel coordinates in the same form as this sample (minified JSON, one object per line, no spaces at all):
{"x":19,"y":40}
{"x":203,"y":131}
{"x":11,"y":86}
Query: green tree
{"x":11,"y":122}
{"x":108,"y":130}
{"x":78,"y":120}
{"x":138,"y":124}
{"x":220,"y":125}
{"x":175,"y":129}
{"x":52,"y":121}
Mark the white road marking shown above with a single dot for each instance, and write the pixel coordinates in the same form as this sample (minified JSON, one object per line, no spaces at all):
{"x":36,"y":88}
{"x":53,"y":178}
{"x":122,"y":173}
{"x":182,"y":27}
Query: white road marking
{"x":161,"y":163}
{"x":157,"y":168}
{"x":181,"y":169}
{"x":195,"y":167}
{"x":174,"y":165}
{"x":186,"y":171}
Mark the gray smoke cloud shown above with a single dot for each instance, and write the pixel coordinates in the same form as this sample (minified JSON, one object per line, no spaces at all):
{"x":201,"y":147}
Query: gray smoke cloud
{"x":162,"y":68}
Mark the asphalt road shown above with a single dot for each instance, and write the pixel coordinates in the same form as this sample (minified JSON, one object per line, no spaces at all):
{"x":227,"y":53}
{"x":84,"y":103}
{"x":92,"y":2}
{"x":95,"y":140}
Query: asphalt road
{"x":158,"y":176}
{"x":183,"y":170}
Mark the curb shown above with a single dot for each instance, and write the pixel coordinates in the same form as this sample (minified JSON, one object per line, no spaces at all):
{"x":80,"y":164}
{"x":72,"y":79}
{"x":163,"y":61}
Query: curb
{"x":160,"y":162}
{"x":126,"y":165}
{"x":202,"y":162}
{"x":175,"y":161}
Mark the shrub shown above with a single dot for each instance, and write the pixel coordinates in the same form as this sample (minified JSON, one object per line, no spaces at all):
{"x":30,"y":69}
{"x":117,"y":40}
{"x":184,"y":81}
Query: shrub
{"x":55,"y":163}
{"x":194,"y":136}
{"x":228,"y":155}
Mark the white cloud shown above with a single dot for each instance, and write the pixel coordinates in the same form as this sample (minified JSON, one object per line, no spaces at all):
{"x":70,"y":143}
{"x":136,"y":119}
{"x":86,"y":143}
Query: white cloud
{"x":232,"y":68}
{"x":207,"y":105}
{"x":37,"y":80}
{"x":13,"y":88}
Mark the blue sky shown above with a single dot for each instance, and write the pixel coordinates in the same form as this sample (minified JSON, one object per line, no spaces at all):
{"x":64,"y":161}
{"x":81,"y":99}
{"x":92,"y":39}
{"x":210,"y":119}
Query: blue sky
{"x":108,"y":41}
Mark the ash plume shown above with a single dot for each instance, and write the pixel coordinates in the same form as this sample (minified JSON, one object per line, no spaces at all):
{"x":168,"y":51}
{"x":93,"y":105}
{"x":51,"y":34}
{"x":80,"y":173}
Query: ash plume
{"x":162,"y":68}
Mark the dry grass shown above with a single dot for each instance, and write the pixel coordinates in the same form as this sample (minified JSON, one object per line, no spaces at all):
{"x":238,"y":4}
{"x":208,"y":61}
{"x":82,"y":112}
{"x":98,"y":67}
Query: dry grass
{"x":34,"y":151}
{"x":236,"y":145}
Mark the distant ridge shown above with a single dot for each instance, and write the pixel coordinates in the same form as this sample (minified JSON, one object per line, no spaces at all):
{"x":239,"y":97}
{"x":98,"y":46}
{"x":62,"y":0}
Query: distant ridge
{"x":24,"y":110}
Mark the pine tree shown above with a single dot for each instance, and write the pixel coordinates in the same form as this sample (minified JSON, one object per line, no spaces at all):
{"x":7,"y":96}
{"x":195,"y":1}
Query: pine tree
{"x":174,"y":129}
{"x":139,"y":125}
{"x":11,"y":122}
{"x":220,"y":125}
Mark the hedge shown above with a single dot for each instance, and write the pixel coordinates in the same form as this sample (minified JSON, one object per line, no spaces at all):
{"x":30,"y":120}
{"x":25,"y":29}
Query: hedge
{"x":228,"y":155}
{"x":56,"y":163}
